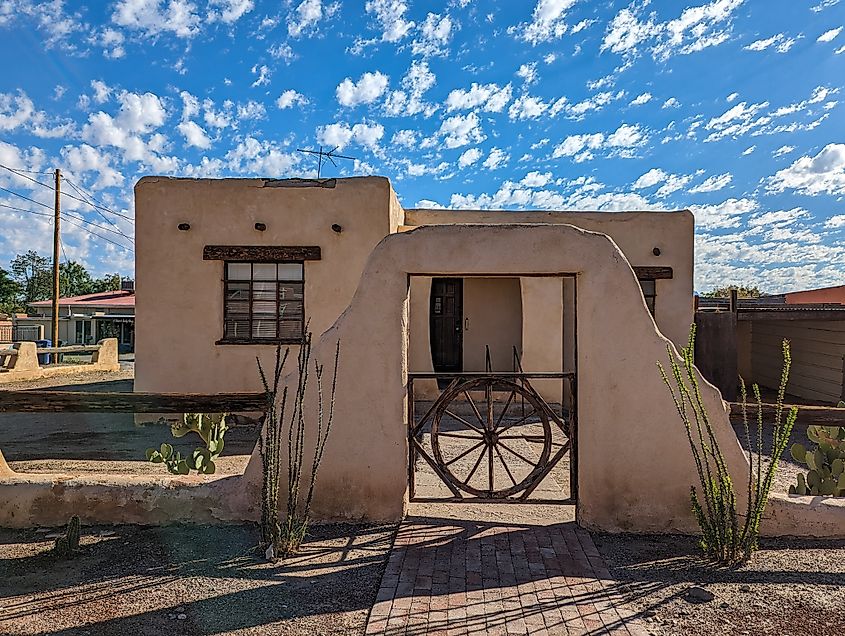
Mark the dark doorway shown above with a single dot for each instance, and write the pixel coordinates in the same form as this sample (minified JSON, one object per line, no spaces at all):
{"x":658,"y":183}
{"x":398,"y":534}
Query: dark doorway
{"x":446,"y":328}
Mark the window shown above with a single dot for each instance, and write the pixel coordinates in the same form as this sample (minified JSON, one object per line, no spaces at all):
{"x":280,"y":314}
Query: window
{"x":264,"y":303}
{"x":649,"y":287}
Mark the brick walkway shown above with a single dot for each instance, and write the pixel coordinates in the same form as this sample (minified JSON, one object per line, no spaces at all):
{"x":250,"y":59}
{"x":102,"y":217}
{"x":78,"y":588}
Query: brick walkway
{"x":465,"y":577}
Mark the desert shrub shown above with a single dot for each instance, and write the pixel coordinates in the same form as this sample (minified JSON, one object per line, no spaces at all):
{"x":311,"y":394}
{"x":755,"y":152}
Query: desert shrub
{"x":826,"y":461}
{"x":726,"y":536}
{"x":281,"y":539}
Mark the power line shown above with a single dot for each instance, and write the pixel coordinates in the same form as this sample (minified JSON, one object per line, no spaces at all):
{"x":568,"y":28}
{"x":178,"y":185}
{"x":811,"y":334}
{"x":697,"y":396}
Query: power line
{"x":66,"y":194}
{"x":108,"y":240}
{"x":87,"y":222}
{"x":17,"y":194}
{"x":88,"y":195}
{"x":107,"y":219}
{"x":12,"y":207}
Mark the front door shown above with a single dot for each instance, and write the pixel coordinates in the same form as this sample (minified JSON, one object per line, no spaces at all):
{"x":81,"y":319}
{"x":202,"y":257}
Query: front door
{"x":446,"y":318}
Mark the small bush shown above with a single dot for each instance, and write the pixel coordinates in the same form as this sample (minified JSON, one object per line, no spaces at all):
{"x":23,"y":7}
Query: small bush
{"x":726,"y":537}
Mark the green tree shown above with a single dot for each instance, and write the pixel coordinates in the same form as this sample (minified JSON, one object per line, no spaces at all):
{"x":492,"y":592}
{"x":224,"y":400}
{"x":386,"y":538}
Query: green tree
{"x":109,"y":282}
{"x":33,"y":274}
{"x":10,"y":293}
{"x":743,"y":291}
{"x":74,"y":280}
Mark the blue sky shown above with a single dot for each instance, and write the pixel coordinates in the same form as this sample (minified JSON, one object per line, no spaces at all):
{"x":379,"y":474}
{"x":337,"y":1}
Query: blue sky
{"x":731,"y":108}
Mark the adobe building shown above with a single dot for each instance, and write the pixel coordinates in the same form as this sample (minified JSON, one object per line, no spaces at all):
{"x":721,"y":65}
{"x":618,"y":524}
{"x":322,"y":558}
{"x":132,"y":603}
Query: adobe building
{"x":226,"y":268}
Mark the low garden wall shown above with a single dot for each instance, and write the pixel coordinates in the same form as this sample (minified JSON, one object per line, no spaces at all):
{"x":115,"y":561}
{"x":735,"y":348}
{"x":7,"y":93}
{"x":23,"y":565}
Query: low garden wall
{"x":21,"y":362}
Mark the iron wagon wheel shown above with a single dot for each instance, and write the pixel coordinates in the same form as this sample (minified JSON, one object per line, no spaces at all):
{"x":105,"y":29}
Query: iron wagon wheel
{"x":489,"y":435}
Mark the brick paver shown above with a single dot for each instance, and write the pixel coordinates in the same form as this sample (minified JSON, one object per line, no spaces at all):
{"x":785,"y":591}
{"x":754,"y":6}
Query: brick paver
{"x":468,"y":577}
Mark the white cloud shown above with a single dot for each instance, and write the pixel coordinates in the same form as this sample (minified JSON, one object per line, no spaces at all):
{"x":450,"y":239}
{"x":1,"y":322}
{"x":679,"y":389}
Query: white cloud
{"x":574,"y":144}
{"x":489,"y":97}
{"x":340,"y":135}
{"x":84,"y":159}
{"x":822,"y":174}
{"x":404,"y":139}
{"x":230,"y":11}
{"x":697,"y":28}
{"x":366,"y":90}
{"x":409,"y":101}
{"x":469,"y":157}
{"x":547,"y":21}
{"x":626,"y":136}
{"x":829,"y":36}
{"x":781,"y":43}
{"x":528,"y":72}
{"x":495,"y":159}
{"x":749,"y":150}
{"x":263,"y":75}
{"x":714,"y":183}
{"x":835,"y":222}
{"x":307,"y":15}
{"x":731,"y":97}
{"x":290,"y":98}
{"x":251,"y":110}
{"x":722,"y":215}
{"x":15,"y":110}
{"x":434,"y":36}
{"x":461,"y":130}
{"x":194,"y":135}
{"x":263,"y":158}
{"x":391,"y":16}
{"x":102,"y":92}
{"x":783,"y":150}
{"x":153,"y":17}
{"x":536,"y":179}
{"x":527,"y":107}
{"x":650,"y":178}
{"x":641,"y":99}
{"x":672,"y":102}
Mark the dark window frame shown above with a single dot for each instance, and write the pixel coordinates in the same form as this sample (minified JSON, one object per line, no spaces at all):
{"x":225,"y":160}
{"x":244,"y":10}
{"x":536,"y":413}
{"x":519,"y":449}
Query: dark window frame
{"x":650,"y":299}
{"x":251,"y":340}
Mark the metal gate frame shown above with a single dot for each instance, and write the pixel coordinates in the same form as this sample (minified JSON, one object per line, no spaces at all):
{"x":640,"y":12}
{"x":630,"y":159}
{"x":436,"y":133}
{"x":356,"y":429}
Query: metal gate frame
{"x":569,"y":426}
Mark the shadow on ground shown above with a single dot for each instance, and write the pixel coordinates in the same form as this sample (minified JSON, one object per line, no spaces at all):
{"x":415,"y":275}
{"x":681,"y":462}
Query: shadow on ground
{"x":190,"y":580}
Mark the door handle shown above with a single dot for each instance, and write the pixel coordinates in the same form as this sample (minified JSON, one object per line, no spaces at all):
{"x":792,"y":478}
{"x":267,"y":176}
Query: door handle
{"x":466,"y":325}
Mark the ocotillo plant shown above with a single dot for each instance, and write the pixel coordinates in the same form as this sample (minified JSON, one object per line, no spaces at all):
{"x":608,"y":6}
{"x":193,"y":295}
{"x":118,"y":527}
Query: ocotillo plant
{"x":284,"y":539}
{"x":726,"y":538}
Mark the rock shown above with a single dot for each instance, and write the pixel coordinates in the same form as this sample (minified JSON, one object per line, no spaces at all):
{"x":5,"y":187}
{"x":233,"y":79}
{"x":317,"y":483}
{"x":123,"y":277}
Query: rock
{"x":745,"y":588}
{"x":724,"y":605}
{"x":698,"y":595}
{"x":181,"y":617}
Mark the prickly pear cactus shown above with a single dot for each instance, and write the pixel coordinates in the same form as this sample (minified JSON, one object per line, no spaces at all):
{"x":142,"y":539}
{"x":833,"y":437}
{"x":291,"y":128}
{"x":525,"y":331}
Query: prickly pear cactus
{"x":211,"y":427}
{"x":826,"y":462}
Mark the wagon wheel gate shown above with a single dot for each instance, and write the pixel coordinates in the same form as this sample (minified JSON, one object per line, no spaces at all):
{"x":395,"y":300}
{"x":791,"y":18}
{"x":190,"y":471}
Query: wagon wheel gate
{"x":491,"y":436}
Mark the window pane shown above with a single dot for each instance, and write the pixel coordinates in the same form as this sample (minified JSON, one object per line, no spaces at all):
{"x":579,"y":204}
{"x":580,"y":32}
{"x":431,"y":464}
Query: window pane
{"x":264,"y":271}
{"x":290,"y":271}
{"x":290,"y":329}
{"x":648,"y":287}
{"x":290,"y":291}
{"x":238,"y":271}
{"x":290,"y":310}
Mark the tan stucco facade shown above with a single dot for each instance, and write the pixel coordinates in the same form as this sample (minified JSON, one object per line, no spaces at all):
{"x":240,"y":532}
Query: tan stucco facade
{"x":634,"y":465}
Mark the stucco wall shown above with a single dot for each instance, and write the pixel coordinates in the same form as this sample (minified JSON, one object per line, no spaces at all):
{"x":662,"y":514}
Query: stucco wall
{"x":826,"y":295}
{"x":543,"y":331}
{"x":627,"y":421}
{"x":179,"y":299}
{"x":636,"y":234}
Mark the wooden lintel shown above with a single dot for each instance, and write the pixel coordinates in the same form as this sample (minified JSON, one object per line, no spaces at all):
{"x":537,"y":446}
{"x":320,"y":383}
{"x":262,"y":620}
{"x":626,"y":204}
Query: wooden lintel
{"x":111,"y":402}
{"x":653,"y":272}
{"x":261,"y":253}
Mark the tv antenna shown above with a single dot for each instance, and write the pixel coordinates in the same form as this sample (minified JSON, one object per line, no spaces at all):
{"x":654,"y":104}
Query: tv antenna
{"x":322,"y":155}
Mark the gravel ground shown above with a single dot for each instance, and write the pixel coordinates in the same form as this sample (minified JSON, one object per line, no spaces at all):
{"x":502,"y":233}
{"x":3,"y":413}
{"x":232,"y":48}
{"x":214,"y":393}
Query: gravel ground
{"x":189,"y":580}
{"x":792,"y":587}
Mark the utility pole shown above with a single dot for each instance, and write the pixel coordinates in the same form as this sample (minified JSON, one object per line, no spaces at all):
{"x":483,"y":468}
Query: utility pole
{"x":56,"y":250}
